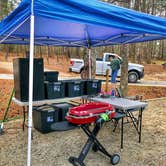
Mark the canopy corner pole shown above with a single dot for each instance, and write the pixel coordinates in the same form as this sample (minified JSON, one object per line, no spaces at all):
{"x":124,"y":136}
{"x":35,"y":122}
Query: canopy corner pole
{"x":90,"y":62}
{"x":89,"y":50}
{"x":30,"y":83}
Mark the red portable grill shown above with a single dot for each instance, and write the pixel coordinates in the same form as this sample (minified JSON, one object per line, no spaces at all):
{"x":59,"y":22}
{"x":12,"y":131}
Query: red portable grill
{"x":83,"y":115}
{"x":88,"y":113}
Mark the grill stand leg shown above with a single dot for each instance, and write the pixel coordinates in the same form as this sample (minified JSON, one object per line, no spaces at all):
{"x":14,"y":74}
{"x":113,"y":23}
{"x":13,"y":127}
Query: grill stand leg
{"x":92,"y":141}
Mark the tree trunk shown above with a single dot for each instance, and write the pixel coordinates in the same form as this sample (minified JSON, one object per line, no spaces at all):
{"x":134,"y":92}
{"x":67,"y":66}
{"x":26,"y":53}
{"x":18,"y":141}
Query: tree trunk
{"x":124,"y":70}
{"x":92,"y":63}
{"x":132,"y":52}
{"x":68,"y":53}
{"x":137,"y":5}
{"x":77,"y":51}
{"x":143,"y":6}
{"x":93,"y":67}
{"x":48,"y":55}
{"x":3,"y":8}
{"x":85,"y":72}
{"x":40,"y":50}
{"x":163,"y":50}
{"x":149,"y":53}
{"x":7,"y":52}
{"x":18,"y":50}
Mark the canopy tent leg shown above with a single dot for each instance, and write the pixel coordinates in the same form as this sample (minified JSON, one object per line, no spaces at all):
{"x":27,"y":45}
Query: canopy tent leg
{"x":90,"y":62}
{"x":30,"y":85}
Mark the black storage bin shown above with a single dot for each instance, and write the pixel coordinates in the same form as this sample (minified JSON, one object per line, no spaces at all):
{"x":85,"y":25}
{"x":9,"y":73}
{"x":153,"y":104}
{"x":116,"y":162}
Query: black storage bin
{"x":43,"y":117}
{"x":54,"y":90}
{"x":21,"y":79}
{"x":74,"y":88}
{"x":62,"y":109}
{"x":51,"y":76}
{"x":92,"y":87}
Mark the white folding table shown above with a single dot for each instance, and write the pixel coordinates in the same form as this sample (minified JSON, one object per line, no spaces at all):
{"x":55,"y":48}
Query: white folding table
{"x":24,"y":105}
{"x":126,"y":106}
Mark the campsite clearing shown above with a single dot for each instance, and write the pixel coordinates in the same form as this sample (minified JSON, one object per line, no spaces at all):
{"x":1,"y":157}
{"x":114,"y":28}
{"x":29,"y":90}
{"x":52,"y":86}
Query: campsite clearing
{"x":55,"y":148}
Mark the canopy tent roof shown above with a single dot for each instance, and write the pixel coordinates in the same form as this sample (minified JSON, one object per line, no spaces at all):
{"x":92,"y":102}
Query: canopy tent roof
{"x":83,"y":23}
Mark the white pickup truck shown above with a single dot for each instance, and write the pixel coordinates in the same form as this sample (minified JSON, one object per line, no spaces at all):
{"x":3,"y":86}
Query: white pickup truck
{"x":135,"y":71}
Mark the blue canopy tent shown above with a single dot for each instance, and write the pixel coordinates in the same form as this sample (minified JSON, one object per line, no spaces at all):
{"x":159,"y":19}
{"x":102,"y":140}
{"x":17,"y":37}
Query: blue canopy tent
{"x":82,"y":23}
{"x":77,"y":23}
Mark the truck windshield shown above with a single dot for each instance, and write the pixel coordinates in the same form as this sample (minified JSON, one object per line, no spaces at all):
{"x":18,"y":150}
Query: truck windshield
{"x":107,"y":57}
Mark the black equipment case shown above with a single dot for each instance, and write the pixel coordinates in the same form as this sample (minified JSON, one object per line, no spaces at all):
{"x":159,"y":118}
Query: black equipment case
{"x":51,"y":76}
{"x":54,"y":90}
{"x":74,"y":88}
{"x":62,"y":109}
{"x":92,"y":87}
{"x":44,"y":116}
{"x":21,"y":79}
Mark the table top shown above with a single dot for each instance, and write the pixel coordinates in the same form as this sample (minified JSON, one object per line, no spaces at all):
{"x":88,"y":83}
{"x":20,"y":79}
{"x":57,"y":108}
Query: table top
{"x":46,"y":101}
{"x":121,"y":103}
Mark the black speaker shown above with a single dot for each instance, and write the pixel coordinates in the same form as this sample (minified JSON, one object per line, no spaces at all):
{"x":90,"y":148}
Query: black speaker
{"x":21,"y":79}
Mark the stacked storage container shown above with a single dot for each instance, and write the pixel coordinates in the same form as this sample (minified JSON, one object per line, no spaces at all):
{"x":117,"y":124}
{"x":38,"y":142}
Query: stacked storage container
{"x":47,"y":118}
{"x":92,"y":87}
{"x":53,"y":88}
{"x":44,"y":116}
{"x":73,"y":88}
{"x":62,"y":110}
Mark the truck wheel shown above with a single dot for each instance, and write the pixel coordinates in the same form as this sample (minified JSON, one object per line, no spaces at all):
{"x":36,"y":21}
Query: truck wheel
{"x":70,"y":70}
{"x":132,"y":77}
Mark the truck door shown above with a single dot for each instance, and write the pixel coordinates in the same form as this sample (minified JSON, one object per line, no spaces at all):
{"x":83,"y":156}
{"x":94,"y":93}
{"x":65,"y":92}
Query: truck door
{"x":99,"y":66}
{"x":106,"y":64}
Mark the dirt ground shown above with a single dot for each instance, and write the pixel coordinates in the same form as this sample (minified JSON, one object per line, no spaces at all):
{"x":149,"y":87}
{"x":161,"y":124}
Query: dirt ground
{"x":56,"y":147}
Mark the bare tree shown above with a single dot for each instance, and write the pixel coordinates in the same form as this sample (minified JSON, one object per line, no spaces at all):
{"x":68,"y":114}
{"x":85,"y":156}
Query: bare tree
{"x":124,"y":70}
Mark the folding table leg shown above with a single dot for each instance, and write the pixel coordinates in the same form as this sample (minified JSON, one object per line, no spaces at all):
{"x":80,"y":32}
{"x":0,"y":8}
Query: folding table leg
{"x":140,"y":124}
{"x":24,"y":117}
{"x":122,"y":133}
{"x":137,"y":122}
